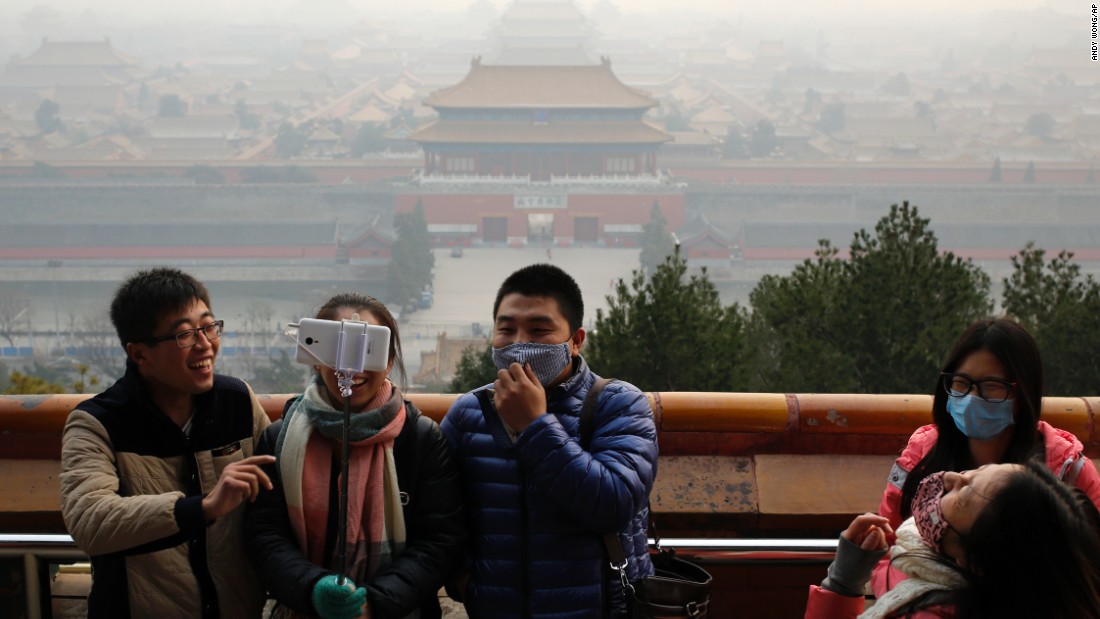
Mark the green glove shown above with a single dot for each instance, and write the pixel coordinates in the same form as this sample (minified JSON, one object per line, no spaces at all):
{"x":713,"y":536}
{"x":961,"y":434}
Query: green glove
{"x":335,"y":601}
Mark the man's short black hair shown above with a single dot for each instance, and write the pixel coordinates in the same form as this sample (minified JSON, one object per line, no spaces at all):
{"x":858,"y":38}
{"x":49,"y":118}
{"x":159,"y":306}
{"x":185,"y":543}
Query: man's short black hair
{"x":545,"y":280}
{"x":143,"y":299}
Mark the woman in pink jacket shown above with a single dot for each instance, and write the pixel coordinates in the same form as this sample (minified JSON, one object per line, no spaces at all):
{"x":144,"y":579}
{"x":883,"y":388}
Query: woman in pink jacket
{"x":1003,"y":540}
{"x":986,"y":411}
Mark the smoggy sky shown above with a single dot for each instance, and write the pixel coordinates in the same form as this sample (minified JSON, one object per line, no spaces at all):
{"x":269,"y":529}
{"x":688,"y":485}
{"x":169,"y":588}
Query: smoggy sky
{"x":927,"y":23}
{"x":794,"y":7}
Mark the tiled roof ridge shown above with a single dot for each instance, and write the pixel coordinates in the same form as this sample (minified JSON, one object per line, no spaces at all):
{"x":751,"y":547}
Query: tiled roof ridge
{"x":536,"y":86}
{"x":83,"y":52}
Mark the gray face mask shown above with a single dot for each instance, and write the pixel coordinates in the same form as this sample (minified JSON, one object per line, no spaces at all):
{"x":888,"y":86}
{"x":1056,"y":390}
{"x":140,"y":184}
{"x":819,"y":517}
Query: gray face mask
{"x":547,"y":360}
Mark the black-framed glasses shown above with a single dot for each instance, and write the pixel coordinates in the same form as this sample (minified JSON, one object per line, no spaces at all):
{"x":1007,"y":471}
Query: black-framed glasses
{"x":991,"y":390}
{"x":189,"y":337}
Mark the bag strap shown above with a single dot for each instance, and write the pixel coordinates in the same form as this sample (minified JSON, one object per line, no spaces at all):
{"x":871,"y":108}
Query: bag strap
{"x":588,"y":410}
{"x":611,"y":541}
{"x":485,"y":399}
{"x":501,"y":433}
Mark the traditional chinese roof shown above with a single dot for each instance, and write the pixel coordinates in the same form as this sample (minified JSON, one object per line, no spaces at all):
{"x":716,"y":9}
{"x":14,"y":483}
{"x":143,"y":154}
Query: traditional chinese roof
{"x":544,"y":33}
{"x":537,"y":10}
{"x":77,"y":53}
{"x":526,"y":132}
{"x":324,"y":134}
{"x":693,"y":138}
{"x":713,"y":114}
{"x":370,"y":238}
{"x":30,"y":76}
{"x":191,"y":127}
{"x":514,"y":86}
{"x":708,"y":236}
{"x":401,"y":91}
{"x":369,"y":114}
{"x":550,"y":54}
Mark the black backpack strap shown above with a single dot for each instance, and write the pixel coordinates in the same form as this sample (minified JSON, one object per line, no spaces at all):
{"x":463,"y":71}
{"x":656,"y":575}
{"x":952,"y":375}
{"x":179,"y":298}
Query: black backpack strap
{"x":405,"y":454}
{"x":611,"y":542}
{"x":588,"y":411}
{"x":485,"y":399}
{"x":503,"y":436}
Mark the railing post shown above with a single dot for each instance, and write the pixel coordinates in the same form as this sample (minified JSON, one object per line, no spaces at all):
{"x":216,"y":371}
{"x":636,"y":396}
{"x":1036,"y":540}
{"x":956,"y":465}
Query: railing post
{"x":32,"y":588}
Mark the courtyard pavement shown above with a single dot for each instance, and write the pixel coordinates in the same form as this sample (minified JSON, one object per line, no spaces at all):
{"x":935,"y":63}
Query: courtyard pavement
{"x":466,"y":286}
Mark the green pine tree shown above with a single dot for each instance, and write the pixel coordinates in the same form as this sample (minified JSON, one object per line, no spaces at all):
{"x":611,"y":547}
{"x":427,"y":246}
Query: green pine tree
{"x":1029,"y":172}
{"x":878,"y":322}
{"x":656,"y":240}
{"x":475,"y":368}
{"x":668,"y":332}
{"x":412,"y":260}
{"x":280,"y":374}
{"x":1060,"y":306}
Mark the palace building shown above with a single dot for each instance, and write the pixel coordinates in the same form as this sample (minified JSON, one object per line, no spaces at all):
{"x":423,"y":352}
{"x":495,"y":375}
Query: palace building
{"x":544,"y":32}
{"x":541,"y":122}
{"x":541,"y":154}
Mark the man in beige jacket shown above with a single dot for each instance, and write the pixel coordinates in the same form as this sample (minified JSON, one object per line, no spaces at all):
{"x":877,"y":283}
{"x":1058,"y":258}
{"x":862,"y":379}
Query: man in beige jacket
{"x":155,"y":469}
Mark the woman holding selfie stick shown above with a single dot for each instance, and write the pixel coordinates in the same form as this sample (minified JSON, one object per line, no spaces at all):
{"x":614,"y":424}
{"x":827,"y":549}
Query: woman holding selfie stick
{"x":404,"y":519}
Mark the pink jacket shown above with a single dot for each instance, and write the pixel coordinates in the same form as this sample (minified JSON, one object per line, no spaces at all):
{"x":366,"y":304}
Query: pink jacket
{"x":1064,"y":458}
{"x":825,"y":604}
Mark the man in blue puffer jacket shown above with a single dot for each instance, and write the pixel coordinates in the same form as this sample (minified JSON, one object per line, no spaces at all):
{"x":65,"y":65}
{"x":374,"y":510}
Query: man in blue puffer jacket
{"x":538,"y":502}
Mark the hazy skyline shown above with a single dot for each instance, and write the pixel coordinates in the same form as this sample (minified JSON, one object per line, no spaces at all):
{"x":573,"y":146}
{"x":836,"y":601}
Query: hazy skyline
{"x":144,"y":28}
{"x":795,"y":8}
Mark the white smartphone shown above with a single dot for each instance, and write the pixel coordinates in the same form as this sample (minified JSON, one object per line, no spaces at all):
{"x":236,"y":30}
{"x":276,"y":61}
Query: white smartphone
{"x":366,"y":347}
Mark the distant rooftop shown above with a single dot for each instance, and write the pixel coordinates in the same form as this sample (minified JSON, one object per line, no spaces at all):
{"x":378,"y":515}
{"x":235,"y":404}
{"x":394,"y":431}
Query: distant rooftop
{"x":542,"y":10}
{"x":77,"y":53}
{"x":498,"y":86}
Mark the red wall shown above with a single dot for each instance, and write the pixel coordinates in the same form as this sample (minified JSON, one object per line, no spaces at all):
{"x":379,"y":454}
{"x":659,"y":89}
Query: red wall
{"x":457,"y":209}
{"x":609,"y":208}
{"x":1086,"y":254}
{"x":717,"y":171}
{"x":790,"y":173}
{"x":629,"y":209}
{"x":328,"y":173}
{"x":321,"y":252}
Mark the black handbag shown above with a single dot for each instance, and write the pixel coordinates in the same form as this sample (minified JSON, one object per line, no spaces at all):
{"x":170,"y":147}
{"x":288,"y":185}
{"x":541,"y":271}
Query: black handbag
{"x":679,"y":588}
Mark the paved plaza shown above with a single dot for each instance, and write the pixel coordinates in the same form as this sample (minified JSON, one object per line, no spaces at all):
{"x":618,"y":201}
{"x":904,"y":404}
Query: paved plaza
{"x":466,"y":286}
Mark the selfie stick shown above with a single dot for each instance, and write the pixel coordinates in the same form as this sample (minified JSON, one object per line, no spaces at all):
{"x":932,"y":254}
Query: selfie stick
{"x":344,"y":377}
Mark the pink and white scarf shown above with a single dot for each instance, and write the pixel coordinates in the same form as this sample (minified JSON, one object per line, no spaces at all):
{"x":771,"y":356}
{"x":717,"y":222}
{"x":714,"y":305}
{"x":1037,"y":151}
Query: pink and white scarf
{"x":375,"y":522}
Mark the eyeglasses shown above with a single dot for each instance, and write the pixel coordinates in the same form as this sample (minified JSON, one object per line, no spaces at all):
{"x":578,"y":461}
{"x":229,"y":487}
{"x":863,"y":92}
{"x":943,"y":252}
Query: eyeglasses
{"x":189,"y":337}
{"x":991,"y":390}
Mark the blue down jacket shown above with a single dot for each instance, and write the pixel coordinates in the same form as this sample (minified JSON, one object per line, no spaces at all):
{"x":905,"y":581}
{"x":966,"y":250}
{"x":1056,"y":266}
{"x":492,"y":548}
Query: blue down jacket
{"x":538,"y":507}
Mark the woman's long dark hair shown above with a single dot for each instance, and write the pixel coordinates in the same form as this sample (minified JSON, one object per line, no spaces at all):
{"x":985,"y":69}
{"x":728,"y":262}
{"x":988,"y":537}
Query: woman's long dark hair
{"x":358,"y":303}
{"x":1014,"y":347}
{"x":1033,"y":551}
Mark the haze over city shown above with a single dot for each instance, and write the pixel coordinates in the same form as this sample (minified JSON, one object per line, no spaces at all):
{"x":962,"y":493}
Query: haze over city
{"x":306,"y":128}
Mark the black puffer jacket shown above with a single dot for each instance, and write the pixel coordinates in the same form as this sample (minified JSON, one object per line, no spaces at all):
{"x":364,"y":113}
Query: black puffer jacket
{"x":435,"y":529}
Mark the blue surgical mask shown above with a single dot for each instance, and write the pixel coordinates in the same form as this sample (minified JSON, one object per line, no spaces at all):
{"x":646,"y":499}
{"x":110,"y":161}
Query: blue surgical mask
{"x":547,"y":360}
{"x":979,"y":419}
